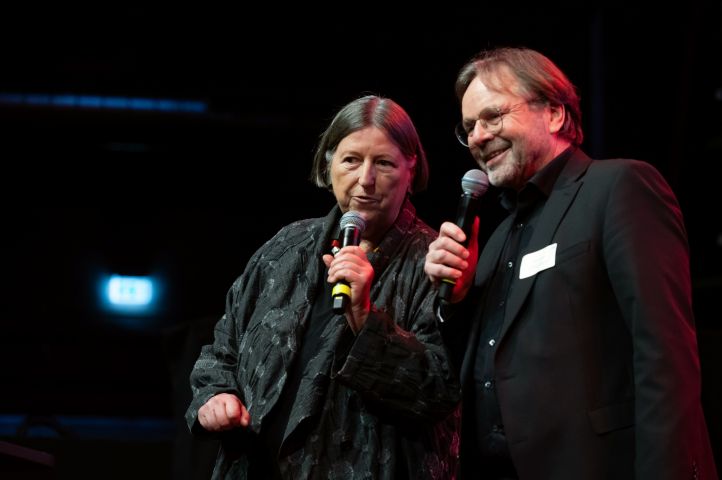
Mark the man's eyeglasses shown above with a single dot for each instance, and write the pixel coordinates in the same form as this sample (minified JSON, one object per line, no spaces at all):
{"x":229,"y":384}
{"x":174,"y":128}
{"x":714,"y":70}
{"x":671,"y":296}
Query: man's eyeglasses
{"x":491,"y":120}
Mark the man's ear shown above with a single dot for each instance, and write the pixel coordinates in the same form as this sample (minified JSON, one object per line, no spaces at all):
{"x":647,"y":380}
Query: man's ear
{"x":557,"y":115}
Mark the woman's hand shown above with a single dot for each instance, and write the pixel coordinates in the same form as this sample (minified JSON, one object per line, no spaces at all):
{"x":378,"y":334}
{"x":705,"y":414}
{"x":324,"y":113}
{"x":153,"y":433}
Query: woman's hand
{"x":352,"y":265}
{"x":223,"y":412}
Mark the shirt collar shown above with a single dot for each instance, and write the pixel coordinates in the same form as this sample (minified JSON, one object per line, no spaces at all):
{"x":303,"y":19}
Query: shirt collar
{"x":539,"y":186}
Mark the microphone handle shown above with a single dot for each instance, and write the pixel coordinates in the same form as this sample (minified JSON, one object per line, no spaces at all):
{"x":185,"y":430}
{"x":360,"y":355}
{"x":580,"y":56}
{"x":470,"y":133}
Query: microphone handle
{"x":341,"y":295}
{"x":445,"y":289}
{"x":341,"y":292}
{"x":465,"y":214}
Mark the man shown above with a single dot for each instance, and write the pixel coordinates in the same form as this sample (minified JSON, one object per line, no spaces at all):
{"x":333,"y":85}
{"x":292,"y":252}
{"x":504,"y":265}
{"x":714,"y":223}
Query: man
{"x":574,"y":330}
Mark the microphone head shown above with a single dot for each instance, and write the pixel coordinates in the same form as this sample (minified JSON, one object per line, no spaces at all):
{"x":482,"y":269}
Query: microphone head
{"x":474,"y":183}
{"x":353,"y":219}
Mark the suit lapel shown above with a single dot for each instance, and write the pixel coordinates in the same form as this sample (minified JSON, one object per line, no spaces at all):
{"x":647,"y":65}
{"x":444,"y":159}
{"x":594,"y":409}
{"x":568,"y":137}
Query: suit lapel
{"x":484,"y":270}
{"x":489,"y":260}
{"x":556,"y":206}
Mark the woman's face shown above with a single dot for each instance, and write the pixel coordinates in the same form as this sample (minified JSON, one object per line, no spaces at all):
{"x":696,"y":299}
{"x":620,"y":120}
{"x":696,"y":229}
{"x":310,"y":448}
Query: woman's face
{"x":370,"y":175}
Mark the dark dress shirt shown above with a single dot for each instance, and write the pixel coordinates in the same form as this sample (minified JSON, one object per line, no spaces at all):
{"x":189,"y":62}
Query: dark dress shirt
{"x":525,"y":206}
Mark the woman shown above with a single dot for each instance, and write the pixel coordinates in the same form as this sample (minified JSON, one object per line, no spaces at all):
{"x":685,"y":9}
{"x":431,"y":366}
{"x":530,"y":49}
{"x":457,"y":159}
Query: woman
{"x":297,"y":391}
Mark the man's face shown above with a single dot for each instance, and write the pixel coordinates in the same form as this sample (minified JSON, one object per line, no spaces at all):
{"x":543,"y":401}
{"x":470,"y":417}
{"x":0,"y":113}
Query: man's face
{"x":524,"y":143}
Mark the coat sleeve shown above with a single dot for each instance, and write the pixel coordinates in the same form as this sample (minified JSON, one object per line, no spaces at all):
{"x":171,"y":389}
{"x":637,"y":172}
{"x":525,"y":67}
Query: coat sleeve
{"x":216,"y":367}
{"x":404,"y":370}
{"x":646,"y":254}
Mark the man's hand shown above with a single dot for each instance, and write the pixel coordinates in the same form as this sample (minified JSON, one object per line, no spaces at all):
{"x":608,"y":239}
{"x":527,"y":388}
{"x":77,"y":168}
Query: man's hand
{"x":448,"y":258}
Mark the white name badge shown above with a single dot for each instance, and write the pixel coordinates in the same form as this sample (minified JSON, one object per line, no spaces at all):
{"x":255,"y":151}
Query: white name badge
{"x":534,"y":262}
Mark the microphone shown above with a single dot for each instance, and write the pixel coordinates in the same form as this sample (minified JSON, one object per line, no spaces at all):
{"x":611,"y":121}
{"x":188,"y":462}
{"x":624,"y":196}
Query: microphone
{"x":474,"y":184}
{"x":352,"y":226}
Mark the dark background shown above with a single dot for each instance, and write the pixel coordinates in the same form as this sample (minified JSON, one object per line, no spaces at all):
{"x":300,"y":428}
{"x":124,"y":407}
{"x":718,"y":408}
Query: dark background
{"x":189,"y":197}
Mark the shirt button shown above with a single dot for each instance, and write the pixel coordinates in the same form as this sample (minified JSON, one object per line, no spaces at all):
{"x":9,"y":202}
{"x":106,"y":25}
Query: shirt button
{"x":492,"y":342}
{"x":487,"y":384}
{"x":519,"y":226}
{"x":510,"y":264}
{"x":501,"y":304}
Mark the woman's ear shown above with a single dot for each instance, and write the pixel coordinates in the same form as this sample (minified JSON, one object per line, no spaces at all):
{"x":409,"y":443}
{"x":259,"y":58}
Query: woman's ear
{"x":412,"y":169}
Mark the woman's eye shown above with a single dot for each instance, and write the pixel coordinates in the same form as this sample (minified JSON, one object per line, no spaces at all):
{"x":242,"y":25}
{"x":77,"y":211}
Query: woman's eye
{"x":386,"y":163}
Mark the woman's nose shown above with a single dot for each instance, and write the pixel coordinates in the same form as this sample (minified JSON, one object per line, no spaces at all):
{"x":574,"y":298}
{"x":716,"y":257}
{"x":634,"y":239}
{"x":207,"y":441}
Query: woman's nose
{"x":367,"y":175}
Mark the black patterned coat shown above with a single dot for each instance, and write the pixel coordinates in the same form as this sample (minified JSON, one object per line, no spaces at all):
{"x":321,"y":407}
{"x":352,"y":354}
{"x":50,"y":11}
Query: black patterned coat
{"x":381,"y":405}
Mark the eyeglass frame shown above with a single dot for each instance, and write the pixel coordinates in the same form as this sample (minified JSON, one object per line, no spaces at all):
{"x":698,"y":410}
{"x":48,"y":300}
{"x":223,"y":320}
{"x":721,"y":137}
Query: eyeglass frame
{"x":462,"y":135}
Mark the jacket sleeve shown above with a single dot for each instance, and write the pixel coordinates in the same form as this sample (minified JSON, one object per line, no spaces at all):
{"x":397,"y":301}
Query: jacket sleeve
{"x":646,"y":254}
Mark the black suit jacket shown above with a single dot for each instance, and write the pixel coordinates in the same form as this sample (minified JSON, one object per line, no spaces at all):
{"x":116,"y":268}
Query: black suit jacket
{"x":597,"y":369}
